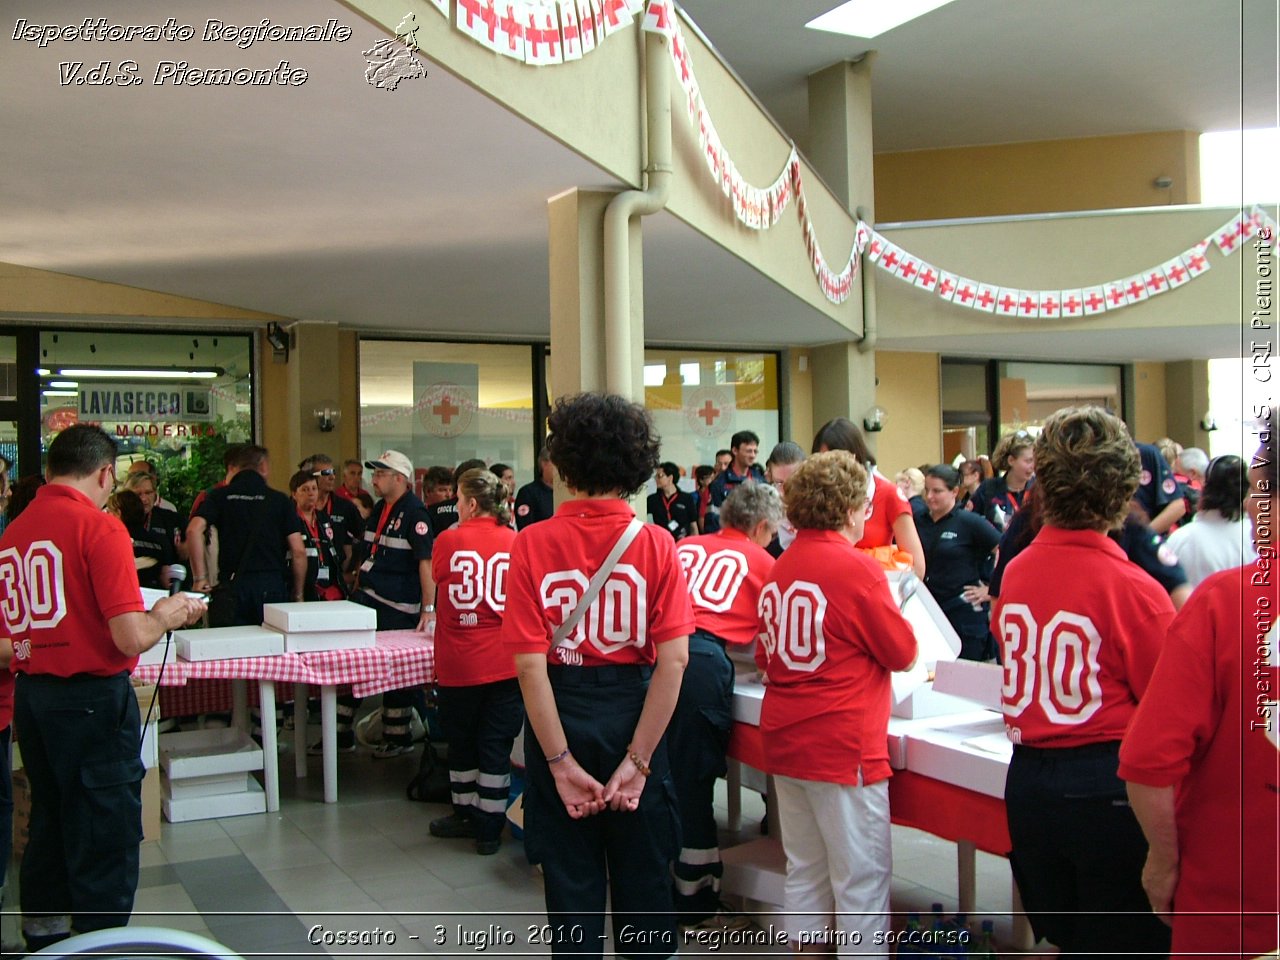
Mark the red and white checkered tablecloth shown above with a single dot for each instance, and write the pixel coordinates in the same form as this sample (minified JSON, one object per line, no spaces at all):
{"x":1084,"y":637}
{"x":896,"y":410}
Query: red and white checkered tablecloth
{"x":399,"y":658}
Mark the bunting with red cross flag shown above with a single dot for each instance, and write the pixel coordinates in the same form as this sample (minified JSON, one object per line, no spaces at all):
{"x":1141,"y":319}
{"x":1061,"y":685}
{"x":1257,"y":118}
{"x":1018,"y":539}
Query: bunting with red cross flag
{"x":542,"y":35}
{"x":1196,"y":261}
{"x":570,"y":30}
{"x":659,"y":17}
{"x":1135,"y":288}
{"x":617,"y":15}
{"x":1094,"y":300}
{"x":947,"y":283}
{"x":478,"y":20}
{"x":984,"y":297}
{"x":927,"y":278}
{"x":511,"y":24}
{"x":589,"y":23}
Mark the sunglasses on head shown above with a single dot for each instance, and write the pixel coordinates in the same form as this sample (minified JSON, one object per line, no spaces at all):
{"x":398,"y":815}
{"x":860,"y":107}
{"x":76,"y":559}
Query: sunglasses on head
{"x":323,"y":473}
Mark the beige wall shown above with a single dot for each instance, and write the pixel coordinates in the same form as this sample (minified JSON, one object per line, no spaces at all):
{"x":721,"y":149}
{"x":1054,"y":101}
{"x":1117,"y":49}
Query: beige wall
{"x":1187,"y":388}
{"x":1095,"y":173}
{"x":909,"y":391}
{"x":798,"y":401}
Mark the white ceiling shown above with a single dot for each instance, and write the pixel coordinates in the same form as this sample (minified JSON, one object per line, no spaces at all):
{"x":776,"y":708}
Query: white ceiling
{"x":424,"y":209}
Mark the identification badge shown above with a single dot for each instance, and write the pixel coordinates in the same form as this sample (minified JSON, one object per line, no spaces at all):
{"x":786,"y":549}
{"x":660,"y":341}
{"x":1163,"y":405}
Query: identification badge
{"x":322,"y":575}
{"x":367,"y":565}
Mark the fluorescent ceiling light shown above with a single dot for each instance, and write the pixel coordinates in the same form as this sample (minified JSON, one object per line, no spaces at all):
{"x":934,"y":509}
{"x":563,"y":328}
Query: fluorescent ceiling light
{"x":63,"y":384}
{"x":143,"y":374}
{"x":42,"y":371}
{"x":870,"y":18}
{"x":59,"y":393}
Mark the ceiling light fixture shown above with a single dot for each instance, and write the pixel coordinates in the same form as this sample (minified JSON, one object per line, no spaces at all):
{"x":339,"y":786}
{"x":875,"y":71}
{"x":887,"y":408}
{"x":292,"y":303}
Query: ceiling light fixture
{"x":63,"y":384}
{"x":59,"y":393}
{"x":103,"y":373}
{"x":870,"y":18}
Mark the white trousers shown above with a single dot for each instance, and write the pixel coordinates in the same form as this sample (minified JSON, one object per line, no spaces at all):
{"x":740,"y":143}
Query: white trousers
{"x":839,"y":861}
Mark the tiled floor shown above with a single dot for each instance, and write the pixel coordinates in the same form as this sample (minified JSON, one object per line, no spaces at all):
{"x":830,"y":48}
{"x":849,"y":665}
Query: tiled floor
{"x":260,"y":884}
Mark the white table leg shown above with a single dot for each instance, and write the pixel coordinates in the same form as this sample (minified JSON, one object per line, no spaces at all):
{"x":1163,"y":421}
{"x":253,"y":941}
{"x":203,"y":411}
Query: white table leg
{"x":300,"y":729}
{"x":733,"y":793}
{"x":270,"y":752}
{"x":967,"y":874}
{"x":240,"y":706}
{"x":329,"y":737}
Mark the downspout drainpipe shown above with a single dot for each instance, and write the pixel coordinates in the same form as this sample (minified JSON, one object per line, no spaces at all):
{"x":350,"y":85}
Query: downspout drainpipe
{"x":618,"y":214}
{"x":870,"y":328}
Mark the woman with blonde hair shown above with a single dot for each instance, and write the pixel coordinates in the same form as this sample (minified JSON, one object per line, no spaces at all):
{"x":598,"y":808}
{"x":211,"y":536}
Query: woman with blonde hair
{"x":832,"y":634}
{"x":1001,"y":497}
{"x":478,"y":696}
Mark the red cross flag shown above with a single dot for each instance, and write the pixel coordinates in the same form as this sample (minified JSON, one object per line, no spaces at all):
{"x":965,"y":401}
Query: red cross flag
{"x":1072,"y":302}
{"x":927,"y":278}
{"x":635,"y":6}
{"x":966,"y":292}
{"x":1050,"y":304}
{"x":1197,"y":263}
{"x":1028,"y":304}
{"x":1007,"y":302}
{"x":947,"y":284}
{"x":908,"y":268}
{"x":1229,"y":236}
{"x":1115,"y":295}
{"x":862,"y":236}
{"x":890,"y":257}
{"x":660,"y":18}
{"x":542,"y":36}
{"x":570,"y":30}
{"x":511,"y":29}
{"x":875,"y":247}
{"x":589,"y":23}
{"x":1155,"y":281}
{"x":478,"y":20}
{"x":1135,"y":288}
{"x":617,"y":16}
{"x":1175,"y":271}
{"x":1095,"y":300}
{"x":984,"y":297}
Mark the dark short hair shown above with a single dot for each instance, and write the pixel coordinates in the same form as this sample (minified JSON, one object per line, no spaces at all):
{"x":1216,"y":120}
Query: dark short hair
{"x":946,"y":473}
{"x":601,"y":442}
{"x":464,"y":466}
{"x":315,"y":460}
{"x":230,"y":454}
{"x":436,"y":476}
{"x":744,"y":436}
{"x":498,"y":469}
{"x":672,"y":470}
{"x":298,"y":479}
{"x":1226,"y":484}
{"x":80,"y":450}
{"x":784,"y":454}
{"x":129,"y":506}
{"x":723,"y":453}
{"x":352,"y":463}
{"x":250,"y":456}
{"x":703,"y":471}
{"x":843,"y":434}
{"x":23,"y":492}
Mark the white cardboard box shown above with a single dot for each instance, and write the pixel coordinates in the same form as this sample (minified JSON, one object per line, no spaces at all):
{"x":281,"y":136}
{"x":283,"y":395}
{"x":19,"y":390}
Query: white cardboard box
{"x":228,"y":643}
{"x":757,"y":870}
{"x":974,"y":755}
{"x":219,"y":784}
{"x":978,"y":683}
{"x":329,"y":640}
{"x":748,"y":696}
{"x":319,"y":617}
{"x":149,"y":751}
{"x":901,"y":728}
{"x":156,"y":655}
{"x":926,"y":701}
{"x":222,"y":805}
{"x":204,"y":753}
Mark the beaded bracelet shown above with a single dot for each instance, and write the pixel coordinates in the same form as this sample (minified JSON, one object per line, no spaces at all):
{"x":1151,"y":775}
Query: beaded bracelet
{"x":639,"y":764}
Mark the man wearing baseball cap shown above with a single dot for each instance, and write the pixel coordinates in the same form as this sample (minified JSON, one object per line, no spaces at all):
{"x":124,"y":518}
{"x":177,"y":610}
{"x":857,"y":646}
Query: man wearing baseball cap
{"x":395,"y":579}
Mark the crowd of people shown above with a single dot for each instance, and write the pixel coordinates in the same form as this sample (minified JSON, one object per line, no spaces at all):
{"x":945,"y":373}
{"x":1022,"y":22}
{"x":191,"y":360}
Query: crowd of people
{"x":610,"y":640}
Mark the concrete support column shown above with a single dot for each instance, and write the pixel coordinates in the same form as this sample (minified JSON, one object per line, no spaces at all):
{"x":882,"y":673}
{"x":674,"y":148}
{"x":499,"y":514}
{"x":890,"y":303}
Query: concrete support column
{"x":321,"y":372}
{"x":844,"y":385}
{"x":576,"y":247}
{"x":1186,"y":402}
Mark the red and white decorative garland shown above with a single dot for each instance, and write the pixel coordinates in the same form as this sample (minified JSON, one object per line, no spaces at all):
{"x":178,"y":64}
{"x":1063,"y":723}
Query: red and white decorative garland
{"x":546,"y":32}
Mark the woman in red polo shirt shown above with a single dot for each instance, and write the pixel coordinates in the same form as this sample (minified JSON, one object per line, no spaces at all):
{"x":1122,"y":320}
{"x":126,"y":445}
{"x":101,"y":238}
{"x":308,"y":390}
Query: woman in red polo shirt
{"x":479,"y":698}
{"x":888,"y":520}
{"x":832,"y":634}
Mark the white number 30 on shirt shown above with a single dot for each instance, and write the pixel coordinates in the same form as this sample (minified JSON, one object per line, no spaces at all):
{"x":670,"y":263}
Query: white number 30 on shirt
{"x":1056,"y":666}
{"x":31,"y":593}
{"x":793,"y":624}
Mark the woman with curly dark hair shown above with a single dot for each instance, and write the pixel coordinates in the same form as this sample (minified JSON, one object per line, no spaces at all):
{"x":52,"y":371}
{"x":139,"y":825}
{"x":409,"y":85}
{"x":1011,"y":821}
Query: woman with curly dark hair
{"x":600,"y":681}
{"x":1081,"y":628}
{"x":1220,"y":537}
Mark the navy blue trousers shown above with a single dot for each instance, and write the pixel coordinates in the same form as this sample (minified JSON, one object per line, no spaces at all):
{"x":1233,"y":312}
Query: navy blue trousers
{"x":481,"y":723}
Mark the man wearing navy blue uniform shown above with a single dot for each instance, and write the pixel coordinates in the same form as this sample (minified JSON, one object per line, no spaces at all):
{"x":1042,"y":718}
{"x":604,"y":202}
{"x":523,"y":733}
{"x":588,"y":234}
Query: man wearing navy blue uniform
{"x":742,"y":469}
{"x":536,"y":501}
{"x":395,"y":580}
{"x":348,"y":527}
{"x":1158,"y":492}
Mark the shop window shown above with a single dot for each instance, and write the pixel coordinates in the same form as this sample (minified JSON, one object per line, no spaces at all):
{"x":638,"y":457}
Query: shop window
{"x":442,"y":403}
{"x":173,"y":399}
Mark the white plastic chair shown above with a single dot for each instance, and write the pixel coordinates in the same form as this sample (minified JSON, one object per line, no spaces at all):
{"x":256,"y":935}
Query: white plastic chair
{"x":125,"y":943}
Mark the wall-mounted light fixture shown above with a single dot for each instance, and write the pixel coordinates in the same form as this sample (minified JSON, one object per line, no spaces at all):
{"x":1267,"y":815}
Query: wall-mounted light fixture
{"x":873,"y":419}
{"x":327,"y":416}
{"x":1208,"y":422}
{"x":278,"y":337}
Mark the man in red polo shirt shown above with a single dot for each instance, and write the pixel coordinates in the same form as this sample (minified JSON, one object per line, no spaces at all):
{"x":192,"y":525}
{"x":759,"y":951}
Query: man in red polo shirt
{"x":69,"y":600}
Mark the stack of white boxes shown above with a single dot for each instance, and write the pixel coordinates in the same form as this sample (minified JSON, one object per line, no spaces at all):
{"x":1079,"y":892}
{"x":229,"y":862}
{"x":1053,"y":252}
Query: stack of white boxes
{"x":207,"y":773}
{"x":311,"y":627}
